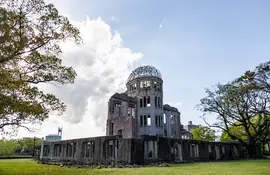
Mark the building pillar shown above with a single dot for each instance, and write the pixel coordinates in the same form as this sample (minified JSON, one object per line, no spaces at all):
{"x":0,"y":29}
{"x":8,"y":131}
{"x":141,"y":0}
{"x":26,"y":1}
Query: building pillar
{"x":42,"y":148}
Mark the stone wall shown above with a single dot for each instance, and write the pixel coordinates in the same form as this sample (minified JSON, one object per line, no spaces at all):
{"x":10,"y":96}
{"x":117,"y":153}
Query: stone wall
{"x":121,"y":116}
{"x":118,"y":150}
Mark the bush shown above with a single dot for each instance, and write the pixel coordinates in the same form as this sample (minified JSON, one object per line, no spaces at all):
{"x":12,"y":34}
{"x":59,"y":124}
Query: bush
{"x":266,"y":153}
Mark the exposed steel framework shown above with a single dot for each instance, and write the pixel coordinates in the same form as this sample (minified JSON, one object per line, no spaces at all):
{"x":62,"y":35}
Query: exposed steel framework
{"x":144,"y":71}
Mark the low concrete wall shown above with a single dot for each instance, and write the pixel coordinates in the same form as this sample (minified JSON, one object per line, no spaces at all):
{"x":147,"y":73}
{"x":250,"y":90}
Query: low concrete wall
{"x":118,"y":150}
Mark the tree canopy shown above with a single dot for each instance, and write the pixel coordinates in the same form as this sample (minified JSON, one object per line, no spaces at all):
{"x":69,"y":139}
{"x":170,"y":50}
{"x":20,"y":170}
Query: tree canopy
{"x":203,"y":133}
{"x":19,"y":146}
{"x":30,"y":34}
{"x":239,"y":131}
{"x":242,"y":105}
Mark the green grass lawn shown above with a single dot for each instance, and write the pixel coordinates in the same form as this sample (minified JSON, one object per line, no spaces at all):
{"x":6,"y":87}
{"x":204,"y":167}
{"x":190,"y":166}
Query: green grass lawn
{"x":245,"y":167}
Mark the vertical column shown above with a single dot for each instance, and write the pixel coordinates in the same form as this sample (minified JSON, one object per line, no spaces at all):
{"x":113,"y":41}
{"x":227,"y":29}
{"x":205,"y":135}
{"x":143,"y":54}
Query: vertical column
{"x":42,"y":148}
{"x":78,"y":149}
{"x":154,"y":150}
{"x":116,"y":152}
{"x":180,"y":152}
{"x":156,"y":155}
{"x":72,"y":149}
{"x":145,"y":149}
{"x":197,"y":150}
{"x":113,"y":150}
{"x":190,"y":149}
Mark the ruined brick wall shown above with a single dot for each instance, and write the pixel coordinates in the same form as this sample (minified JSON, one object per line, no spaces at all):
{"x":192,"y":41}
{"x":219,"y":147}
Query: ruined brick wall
{"x":121,"y":116}
{"x":115,"y":149}
{"x":173,"y":123}
{"x":123,"y":123}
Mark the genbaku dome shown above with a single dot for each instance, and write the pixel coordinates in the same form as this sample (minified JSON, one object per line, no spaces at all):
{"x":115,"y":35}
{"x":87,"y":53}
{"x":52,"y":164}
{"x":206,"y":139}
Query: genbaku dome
{"x":140,"y":128}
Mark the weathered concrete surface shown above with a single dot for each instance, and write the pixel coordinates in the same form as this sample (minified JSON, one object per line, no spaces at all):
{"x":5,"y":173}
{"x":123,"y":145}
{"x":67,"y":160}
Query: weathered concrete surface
{"x":121,"y":116}
{"x":117,"y":150}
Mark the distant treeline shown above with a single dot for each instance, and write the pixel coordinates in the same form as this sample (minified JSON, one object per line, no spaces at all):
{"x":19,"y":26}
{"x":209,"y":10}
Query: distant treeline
{"x":23,"y":147}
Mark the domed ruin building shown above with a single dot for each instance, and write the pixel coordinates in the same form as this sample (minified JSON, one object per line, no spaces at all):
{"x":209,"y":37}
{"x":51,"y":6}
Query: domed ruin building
{"x":140,"y":129}
{"x":140,"y":110}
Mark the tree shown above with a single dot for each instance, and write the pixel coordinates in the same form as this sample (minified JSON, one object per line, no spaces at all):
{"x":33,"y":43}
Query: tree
{"x":30,"y":33}
{"x":8,"y":147}
{"x":28,"y":143}
{"x":15,"y":146}
{"x":238,"y":131}
{"x":258,"y":79}
{"x":243,"y":103}
{"x":203,"y":133}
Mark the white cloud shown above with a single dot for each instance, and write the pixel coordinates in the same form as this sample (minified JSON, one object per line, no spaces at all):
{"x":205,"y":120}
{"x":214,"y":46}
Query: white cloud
{"x":103,"y":65}
{"x":162,"y":23}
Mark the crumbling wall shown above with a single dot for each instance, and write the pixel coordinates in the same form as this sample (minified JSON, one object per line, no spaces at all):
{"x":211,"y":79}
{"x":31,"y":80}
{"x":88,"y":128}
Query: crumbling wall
{"x":121,"y":116}
{"x":172,"y":125}
{"x":118,"y":150}
{"x":93,"y":150}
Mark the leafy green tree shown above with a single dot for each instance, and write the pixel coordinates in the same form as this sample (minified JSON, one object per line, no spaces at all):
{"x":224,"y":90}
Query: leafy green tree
{"x":14,"y":146}
{"x":238,"y":131}
{"x":30,"y":34}
{"x":28,"y":143}
{"x":8,"y":147}
{"x":203,"y":133}
{"x":242,"y":104}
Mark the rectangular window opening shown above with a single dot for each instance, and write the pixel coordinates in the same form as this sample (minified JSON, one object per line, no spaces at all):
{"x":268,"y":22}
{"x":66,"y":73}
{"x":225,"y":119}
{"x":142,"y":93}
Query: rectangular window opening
{"x":141,"y":102}
{"x":141,"y":120}
{"x":118,"y":107}
{"x":119,"y":132}
{"x":144,"y":101}
{"x":111,"y":128}
{"x":148,"y":101}
{"x":129,"y":111}
{"x":57,"y":150}
{"x":142,"y":84}
{"x":46,"y":150}
{"x":93,"y":147}
{"x":87,"y":153}
{"x":149,"y":120}
{"x":157,"y":85}
{"x":145,"y":84}
{"x":145,"y":120}
{"x":133,"y":112}
{"x":148,"y":84}
{"x":133,"y":87}
{"x":164,"y":118}
{"x":112,"y":106}
{"x":172,"y":119}
{"x":209,"y":148}
{"x":110,"y":151}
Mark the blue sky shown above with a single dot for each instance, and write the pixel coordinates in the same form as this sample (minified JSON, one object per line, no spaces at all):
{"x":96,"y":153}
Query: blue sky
{"x":199,"y":44}
{"x":195,"y":44}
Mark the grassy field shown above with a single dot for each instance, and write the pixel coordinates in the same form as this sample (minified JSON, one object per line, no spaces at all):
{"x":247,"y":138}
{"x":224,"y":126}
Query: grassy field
{"x":29,"y":167}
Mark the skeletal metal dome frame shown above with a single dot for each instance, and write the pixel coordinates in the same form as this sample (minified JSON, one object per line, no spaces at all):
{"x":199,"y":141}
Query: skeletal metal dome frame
{"x":144,"y":71}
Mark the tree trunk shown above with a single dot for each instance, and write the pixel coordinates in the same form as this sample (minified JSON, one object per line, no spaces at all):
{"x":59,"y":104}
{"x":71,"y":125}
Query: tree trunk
{"x":251,"y":149}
